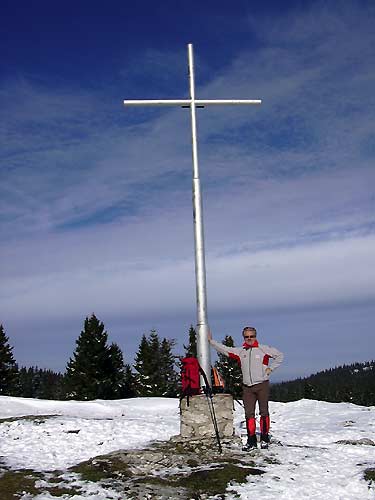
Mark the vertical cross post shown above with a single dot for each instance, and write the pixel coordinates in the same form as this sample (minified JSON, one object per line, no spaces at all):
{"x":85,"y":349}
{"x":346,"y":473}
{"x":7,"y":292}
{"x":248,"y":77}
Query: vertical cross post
{"x":203,"y":351}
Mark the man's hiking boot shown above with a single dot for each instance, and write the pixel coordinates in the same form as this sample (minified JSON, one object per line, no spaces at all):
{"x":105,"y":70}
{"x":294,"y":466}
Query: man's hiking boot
{"x":251,"y":443}
{"x":264,"y":441}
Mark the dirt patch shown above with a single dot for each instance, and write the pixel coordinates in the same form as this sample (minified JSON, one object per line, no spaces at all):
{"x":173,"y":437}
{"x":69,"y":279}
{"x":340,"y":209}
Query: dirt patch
{"x":36,"y":419}
{"x":14,"y":484}
{"x":207,"y":482}
{"x":369,"y":476}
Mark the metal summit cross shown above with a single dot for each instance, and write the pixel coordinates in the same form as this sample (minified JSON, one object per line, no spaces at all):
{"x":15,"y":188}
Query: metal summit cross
{"x":203,"y":350}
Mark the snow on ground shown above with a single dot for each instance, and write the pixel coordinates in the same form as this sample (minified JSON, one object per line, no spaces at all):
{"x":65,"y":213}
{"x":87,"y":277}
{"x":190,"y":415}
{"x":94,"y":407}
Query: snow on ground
{"x":103,"y":426}
{"x":310,"y":463}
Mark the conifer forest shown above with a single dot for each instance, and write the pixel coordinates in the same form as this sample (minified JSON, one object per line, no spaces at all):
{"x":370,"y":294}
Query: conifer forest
{"x":97,"y":370}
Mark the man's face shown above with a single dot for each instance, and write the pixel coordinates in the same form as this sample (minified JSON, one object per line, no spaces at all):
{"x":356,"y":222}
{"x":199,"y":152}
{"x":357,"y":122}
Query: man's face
{"x":249,"y":336}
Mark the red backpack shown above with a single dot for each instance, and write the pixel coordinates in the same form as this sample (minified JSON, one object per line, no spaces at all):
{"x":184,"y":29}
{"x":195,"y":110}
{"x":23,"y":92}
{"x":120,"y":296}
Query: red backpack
{"x":190,"y":377}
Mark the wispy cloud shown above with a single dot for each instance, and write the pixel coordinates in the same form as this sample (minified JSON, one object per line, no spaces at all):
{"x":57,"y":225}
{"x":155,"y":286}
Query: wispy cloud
{"x":71,"y":162}
{"x":320,"y":273}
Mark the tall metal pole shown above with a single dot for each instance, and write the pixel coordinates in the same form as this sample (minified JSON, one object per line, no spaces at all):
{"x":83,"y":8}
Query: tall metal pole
{"x":203,"y":350}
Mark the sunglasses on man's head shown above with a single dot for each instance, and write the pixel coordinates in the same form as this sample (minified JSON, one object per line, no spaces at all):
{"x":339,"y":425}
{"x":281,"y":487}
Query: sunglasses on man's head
{"x":249,"y":336}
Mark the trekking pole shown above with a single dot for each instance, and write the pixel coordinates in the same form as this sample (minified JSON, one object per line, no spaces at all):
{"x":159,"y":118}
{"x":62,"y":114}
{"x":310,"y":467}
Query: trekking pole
{"x":208,"y":393}
{"x":214,"y":421}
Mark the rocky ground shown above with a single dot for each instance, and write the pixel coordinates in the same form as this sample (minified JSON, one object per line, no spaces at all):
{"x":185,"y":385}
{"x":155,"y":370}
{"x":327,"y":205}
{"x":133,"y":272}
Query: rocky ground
{"x":178,"y":468}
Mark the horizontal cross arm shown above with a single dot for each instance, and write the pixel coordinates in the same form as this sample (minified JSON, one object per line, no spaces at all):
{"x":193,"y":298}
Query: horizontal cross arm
{"x":210,"y":102}
{"x":187,"y":102}
{"x":158,"y":102}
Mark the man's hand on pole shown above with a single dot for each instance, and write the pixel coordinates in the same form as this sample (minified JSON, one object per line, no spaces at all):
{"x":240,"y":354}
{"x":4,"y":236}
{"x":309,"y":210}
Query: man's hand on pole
{"x":209,"y":335}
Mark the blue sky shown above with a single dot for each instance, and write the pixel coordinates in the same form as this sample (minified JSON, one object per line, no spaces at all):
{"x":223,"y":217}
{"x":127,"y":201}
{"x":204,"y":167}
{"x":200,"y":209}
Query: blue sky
{"x":95,"y":199}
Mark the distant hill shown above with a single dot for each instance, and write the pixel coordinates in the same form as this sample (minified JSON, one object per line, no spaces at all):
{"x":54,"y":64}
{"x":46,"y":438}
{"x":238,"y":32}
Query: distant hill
{"x":353,"y":383}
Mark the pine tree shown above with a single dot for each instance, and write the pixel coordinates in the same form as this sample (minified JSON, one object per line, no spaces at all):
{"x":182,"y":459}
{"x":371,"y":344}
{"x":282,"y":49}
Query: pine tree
{"x":142,"y":366}
{"x":26,"y":380}
{"x":96,"y":370}
{"x":191,"y":348}
{"x":130,"y":382}
{"x":154,"y":366}
{"x":51,"y":385}
{"x":8,"y":367}
{"x":155,"y":362}
{"x":169,"y":383}
{"x":230,"y":370}
{"x":121,"y":378}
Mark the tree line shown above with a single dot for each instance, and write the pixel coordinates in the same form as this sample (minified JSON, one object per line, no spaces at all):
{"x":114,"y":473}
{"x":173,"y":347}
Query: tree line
{"x":353,"y":383}
{"x":97,"y":370}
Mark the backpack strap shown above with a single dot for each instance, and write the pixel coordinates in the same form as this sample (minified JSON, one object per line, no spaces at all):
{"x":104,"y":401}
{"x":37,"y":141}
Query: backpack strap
{"x":208,"y":386}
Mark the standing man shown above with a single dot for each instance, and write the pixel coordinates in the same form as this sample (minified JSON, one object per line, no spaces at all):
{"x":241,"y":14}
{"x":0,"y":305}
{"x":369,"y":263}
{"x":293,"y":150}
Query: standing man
{"x":254,"y":360}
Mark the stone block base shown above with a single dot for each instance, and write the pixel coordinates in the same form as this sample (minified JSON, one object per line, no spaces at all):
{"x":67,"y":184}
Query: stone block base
{"x":196,"y":416}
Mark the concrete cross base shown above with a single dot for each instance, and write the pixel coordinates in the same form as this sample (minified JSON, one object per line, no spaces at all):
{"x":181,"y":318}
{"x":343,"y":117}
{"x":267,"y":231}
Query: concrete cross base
{"x":196,"y":416}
